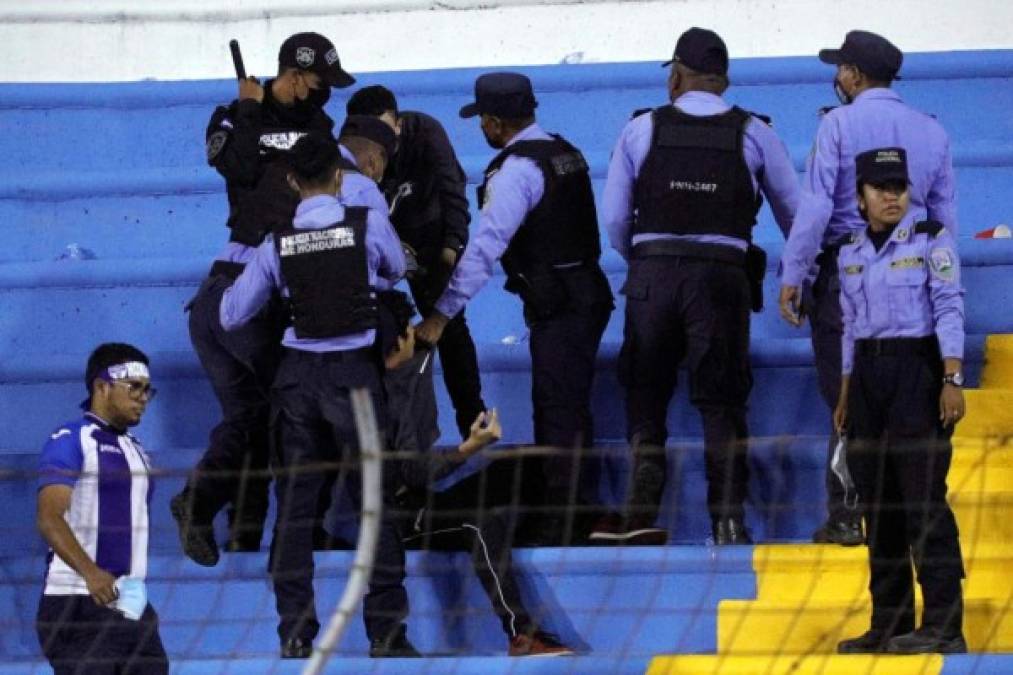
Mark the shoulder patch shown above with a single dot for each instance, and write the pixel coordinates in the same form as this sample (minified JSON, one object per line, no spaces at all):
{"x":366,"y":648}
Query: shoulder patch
{"x":215,"y":143}
{"x":929,"y":227}
{"x":941,"y":262}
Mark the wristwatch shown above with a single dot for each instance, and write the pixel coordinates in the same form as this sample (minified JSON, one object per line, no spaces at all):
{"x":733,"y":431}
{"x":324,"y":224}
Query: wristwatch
{"x":956,"y":379}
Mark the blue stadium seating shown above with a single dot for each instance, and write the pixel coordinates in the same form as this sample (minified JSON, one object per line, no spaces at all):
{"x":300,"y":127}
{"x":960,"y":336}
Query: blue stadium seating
{"x":118,"y":169}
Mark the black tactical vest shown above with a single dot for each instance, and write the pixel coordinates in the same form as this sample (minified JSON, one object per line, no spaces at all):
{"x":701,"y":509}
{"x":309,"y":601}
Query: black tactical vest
{"x":694,"y":179}
{"x":563,"y":226}
{"x":327,"y":275}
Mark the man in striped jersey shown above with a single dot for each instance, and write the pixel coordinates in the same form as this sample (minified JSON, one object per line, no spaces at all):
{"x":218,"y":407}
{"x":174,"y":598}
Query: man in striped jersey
{"x":94,"y":494}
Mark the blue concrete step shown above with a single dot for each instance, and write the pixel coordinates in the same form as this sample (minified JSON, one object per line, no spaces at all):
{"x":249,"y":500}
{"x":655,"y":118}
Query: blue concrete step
{"x":629,"y":601}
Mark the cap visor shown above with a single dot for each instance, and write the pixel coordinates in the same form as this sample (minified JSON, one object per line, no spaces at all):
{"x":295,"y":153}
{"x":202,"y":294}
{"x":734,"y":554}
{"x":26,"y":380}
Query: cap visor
{"x":469,"y":110}
{"x":831,"y":56}
{"x":339,"y":79}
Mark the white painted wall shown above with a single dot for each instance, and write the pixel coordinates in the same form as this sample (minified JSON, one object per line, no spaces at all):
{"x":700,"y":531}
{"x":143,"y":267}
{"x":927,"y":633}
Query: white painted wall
{"x":117,"y":40}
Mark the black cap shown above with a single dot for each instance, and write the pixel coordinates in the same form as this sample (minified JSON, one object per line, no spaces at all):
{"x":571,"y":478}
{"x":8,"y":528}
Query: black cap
{"x":507,"y":95}
{"x":701,"y":50}
{"x":882,"y":165}
{"x":371,"y":128}
{"x":873,"y":54}
{"x":315,"y":53}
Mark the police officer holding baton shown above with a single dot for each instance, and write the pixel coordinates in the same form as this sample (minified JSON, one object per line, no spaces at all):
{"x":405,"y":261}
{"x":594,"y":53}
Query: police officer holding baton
{"x":247,"y":142}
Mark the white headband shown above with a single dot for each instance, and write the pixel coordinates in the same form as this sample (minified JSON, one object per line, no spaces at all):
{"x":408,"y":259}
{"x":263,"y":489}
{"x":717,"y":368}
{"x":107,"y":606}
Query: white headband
{"x":122,"y":371}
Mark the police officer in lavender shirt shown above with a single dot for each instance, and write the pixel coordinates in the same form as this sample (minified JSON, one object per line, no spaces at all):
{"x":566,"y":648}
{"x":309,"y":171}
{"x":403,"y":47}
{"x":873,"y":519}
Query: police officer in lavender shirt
{"x":247,"y":142}
{"x":680,"y":203}
{"x":872,"y":116}
{"x":326,"y":265}
{"x":538,"y":215}
{"x":903,"y":341}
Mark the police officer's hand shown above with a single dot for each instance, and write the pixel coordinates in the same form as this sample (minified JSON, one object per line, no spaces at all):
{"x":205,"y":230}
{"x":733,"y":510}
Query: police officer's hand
{"x":403,"y":352}
{"x":101,"y":586}
{"x":430,"y":330}
{"x":250,"y":89}
{"x":790,"y":302}
{"x":841,"y":411}
{"x":485,"y":430}
{"x":448,"y":257}
{"x":951,"y":405}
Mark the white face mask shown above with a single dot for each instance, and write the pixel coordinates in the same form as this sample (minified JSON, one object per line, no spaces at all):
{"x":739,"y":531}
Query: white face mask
{"x":133,"y":598}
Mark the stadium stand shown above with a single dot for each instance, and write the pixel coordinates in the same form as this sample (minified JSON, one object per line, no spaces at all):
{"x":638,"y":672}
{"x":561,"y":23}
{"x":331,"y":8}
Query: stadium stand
{"x":116,"y":172}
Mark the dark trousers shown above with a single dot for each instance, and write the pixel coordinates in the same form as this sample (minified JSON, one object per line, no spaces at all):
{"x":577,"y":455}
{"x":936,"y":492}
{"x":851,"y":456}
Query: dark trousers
{"x":79,"y":637}
{"x":564,"y":348}
{"x":899,"y":455}
{"x":822,"y":302}
{"x":698,"y":310}
{"x":314,"y":432}
{"x":477,"y":515}
{"x":241,"y":365}
{"x":457,"y":353}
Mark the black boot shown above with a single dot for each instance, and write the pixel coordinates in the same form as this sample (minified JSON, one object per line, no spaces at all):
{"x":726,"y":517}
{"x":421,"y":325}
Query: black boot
{"x":197,"y":539}
{"x":730,"y":531}
{"x":928,"y":641}
{"x":296,"y":648}
{"x":873,"y":641}
{"x":395,"y":646}
{"x":843,"y":532}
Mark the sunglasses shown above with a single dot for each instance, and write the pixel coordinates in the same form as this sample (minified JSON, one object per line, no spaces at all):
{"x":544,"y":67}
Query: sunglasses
{"x":137,"y":390}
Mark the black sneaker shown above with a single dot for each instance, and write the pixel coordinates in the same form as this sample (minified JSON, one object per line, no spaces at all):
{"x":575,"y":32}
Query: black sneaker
{"x":927,"y":641}
{"x":873,"y":641}
{"x":396,"y":646}
{"x":843,"y":532}
{"x":633,"y":531}
{"x":297,"y":648}
{"x":198,"y":541}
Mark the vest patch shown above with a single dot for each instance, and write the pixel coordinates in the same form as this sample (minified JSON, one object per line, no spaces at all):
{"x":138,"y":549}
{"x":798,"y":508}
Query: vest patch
{"x":314,"y":241}
{"x":692,"y":186}
{"x":907,"y":263}
{"x":283,"y":140}
{"x":571,"y":162}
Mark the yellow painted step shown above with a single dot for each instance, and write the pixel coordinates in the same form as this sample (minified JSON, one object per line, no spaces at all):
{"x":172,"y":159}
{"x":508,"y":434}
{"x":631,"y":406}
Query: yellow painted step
{"x":752,"y":627}
{"x":930,"y":664}
{"x":998,"y":371}
{"x":984,"y":518}
{"x":826,"y":572}
{"x":980,"y":464}
{"x":989,"y":414}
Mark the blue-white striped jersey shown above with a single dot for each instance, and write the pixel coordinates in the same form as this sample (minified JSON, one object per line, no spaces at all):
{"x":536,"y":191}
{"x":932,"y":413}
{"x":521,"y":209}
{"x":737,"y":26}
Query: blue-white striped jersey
{"x":110,"y":475}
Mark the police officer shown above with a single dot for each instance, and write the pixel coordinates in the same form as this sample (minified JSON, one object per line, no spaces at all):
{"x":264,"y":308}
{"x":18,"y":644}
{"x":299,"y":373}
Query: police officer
{"x":94,"y":489}
{"x":247,"y":142}
{"x":538,"y":214}
{"x":325,"y":265}
{"x":903,"y":341}
{"x":680,"y":203}
{"x":424,"y":186}
{"x":872,"y":116}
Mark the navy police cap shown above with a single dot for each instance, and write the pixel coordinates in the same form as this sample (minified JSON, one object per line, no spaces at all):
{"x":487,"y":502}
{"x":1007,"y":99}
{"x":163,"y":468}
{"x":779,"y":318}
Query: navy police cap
{"x":872,"y":54}
{"x":701,"y":50}
{"x":315,"y":53}
{"x":506,"y":95}
{"x":881,"y":166}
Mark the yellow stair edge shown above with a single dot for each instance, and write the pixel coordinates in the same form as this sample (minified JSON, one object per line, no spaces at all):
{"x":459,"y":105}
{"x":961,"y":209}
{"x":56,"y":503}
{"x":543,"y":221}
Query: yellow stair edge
{"x":988,"y":414}
{"x":828,"y":572}
{"x":834,"y":664}
{"x":998,"y":371}
{"x":758,"y":627}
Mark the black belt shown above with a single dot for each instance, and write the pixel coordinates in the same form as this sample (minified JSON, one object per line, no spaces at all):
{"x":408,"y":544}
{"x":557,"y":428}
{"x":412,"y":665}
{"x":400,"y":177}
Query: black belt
{"x":897,"y":346}
{"x":358,"y":355}
{"x":689,"y":249}
{"x":224,"y":268}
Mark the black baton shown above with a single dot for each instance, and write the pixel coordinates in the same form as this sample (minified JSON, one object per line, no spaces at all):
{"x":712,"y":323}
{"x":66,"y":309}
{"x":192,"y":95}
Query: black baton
{"x":237,"y":59}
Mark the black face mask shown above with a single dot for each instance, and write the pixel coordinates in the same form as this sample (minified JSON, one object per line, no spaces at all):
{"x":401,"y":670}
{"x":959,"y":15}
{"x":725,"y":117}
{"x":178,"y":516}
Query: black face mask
{"x":842,"y":95}
{"x":495,"y":145}
{"x":319,"y":97}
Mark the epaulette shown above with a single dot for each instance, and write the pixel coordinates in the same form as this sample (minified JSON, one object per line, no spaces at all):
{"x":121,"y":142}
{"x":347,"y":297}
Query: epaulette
{"x":763,"y":118}
{"x":826,"y":109}
{"x":640,"y":111}
{"x":929,"y":227}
